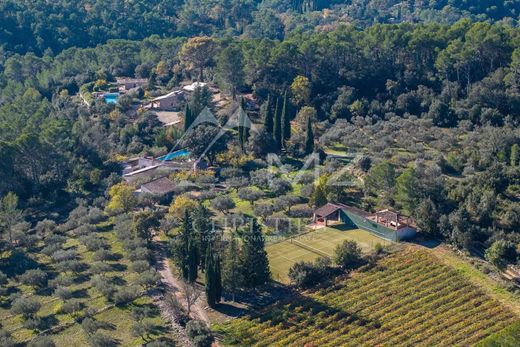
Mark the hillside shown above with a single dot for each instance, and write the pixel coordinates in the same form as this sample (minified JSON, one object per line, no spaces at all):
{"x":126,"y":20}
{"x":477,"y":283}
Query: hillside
{"x":408,"y":298}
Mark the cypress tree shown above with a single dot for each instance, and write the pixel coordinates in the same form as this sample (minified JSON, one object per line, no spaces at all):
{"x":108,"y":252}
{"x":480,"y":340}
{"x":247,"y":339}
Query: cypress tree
{"x":184,"y":247}
{"x":515,"y":155}
{"x":255,"y":263}
{"x":268,"y":116}
{"x":232,"y":277}
{"x":193,"y":260}
{"x":309,"y":138}
{"x":213,"y":279}
{"x":277,"y":130}
{"x":187,"y":118}
{"x":210,"y":279}
{"x":202,"y":228}
{"x":286,"y":121}
{"x":218,"y":279}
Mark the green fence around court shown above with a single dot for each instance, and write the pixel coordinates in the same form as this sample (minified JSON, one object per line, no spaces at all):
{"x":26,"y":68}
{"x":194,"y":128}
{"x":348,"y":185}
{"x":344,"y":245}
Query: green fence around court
{"x":352,"y":219}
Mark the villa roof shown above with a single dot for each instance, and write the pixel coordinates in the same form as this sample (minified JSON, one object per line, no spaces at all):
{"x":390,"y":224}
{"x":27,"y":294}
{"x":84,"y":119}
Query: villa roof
{"x":162,"y":185}
{"x":328,"y":209}
{"x":170,"y":94}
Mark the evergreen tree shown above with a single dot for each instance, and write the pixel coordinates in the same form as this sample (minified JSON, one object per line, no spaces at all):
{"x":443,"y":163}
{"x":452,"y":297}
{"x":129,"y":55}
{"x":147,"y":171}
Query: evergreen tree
{"x":286,"y":121}
{"x":186,"y":250}
{"x":515,"y":155}
{"x":243,"y":131}
{"x":211,"y":295}
{"x":213,"y":279}
{"x":255,"y":265}
{"x":268,"y":116}
{"x":188,"y":119}
{"x":183,"y":246}
{"x":277,"y":129}
{"x":202,"y":227}
{"x":193,"y":259}
{"x":309,"y":138}
{"x":232,"y":277}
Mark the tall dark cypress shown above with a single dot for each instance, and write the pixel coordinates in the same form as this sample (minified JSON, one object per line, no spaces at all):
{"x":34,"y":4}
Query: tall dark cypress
{"x":268,"y":116}
{"x":218,"y":279}
{"x":213,"y":278}
{"x":202,"y":228}
{"x":277,"y":130}
{"x":193,"y":260}
{"x":184,"y":246}
{"x":286,"y":121}
{"x":245,"y":125}
{"x":210,"y":278}
{"x":255,"y":263}
{"x":187,"y":117}
{"x":309,"y":138}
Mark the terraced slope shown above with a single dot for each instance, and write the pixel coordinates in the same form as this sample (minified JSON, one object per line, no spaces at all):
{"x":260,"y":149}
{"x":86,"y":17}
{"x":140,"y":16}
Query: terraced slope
{"x":408,"y":299}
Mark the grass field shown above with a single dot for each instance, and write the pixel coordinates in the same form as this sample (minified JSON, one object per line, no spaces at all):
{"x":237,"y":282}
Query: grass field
{"x":284,"y":254}
{"x":410,"y":298}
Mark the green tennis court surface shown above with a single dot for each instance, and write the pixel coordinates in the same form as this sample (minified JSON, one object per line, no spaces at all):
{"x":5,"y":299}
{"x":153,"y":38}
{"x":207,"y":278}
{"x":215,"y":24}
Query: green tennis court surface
{"x":312,"y":245}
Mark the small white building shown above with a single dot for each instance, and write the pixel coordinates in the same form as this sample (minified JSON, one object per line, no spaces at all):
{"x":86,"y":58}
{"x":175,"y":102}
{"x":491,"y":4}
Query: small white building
{"x":191,"y":87}
{"x":170,"y":101}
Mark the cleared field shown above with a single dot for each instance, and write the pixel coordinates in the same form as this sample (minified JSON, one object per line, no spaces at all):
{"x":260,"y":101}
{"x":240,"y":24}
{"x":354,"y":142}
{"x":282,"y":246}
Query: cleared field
{"x":311,"y":246}
{"x":409,"y":298}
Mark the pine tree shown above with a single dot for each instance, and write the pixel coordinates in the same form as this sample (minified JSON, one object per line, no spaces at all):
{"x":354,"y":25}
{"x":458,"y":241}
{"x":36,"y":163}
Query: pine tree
{"x":255,"y":263}
{"x":268,"y":116}
{"x":187,"y":118}
{"x":277,"y":130}
{"x":286,"y":121}
{"x":232,"y":277}
{"x":309,"y":138}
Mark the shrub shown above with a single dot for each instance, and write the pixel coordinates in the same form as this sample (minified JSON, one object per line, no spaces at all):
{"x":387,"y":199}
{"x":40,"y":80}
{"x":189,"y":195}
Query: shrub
{"x":199,"y":333}
{"x":71,"y":307}
{"x":27,"y":307}
{"x":42,"y":341}
{"x":148,"y":279}
{"x":93,"y":242}
{"x":6,"y":340}
{"x":100,"y":268}
{"x":348,"y":255}
{"x":306,"y":274}
{"x":223,"y":203}
{"x":34,"y":278}
{"x":140,"y":266}
{"x":63,"y":293}
{"x":101,"y":340}
{"x":64,"y":255}
{"x":125,"y":295}
{"x":501,"y":253}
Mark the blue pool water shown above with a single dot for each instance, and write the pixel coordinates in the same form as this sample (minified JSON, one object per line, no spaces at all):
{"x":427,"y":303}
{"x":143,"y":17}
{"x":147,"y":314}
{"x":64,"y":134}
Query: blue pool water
{"x":173,"y":155}
{"x":111,"y":98}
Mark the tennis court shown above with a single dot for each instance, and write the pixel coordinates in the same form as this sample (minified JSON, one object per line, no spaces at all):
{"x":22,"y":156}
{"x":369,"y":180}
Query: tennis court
{"x":313,"y":245}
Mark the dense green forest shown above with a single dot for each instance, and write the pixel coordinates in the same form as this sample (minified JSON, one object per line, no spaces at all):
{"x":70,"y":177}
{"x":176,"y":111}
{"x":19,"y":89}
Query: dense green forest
{"x":48,"y":28}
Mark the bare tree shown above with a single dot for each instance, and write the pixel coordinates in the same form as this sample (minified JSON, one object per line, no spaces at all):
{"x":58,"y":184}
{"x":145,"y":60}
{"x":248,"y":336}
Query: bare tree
{"x":191,"y":294}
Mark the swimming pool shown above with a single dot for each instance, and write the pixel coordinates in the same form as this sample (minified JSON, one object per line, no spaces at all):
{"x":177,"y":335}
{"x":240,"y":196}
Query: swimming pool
{"x":173,"y":155}
{"x":111,"y":98}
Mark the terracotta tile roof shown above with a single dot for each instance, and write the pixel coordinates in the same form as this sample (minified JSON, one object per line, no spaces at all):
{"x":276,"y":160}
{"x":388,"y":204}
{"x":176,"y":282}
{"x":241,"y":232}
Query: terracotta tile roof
{"x":159,"y":186}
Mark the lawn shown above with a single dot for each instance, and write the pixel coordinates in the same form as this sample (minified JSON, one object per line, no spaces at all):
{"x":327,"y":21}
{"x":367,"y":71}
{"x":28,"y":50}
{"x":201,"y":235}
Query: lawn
{"x":322,"y":242}
{"x":409,"y":298}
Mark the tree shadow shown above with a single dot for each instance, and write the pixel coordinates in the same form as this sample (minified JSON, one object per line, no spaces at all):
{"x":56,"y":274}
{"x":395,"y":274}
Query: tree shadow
{"x":80,"y":293}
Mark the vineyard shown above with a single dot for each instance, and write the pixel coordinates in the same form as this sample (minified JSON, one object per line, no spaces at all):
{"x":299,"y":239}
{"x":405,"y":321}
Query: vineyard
{"x":409,"y":298}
